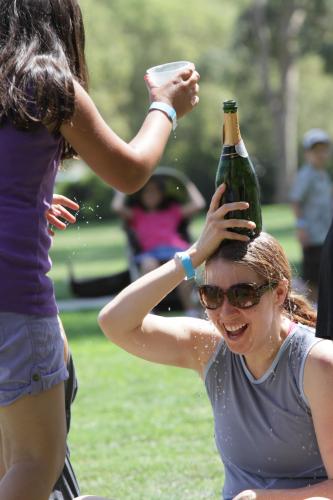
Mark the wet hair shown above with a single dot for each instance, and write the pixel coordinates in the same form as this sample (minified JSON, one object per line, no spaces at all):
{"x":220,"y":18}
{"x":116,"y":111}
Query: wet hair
{"x":41,"y":53}
{"x":266,"y":257}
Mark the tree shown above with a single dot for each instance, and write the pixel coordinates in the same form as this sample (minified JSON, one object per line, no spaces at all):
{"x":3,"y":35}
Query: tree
{"x":278,"y":34}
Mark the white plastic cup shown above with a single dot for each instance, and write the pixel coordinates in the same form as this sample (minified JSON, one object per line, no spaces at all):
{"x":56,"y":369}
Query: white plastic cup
{"x":164,"y":72}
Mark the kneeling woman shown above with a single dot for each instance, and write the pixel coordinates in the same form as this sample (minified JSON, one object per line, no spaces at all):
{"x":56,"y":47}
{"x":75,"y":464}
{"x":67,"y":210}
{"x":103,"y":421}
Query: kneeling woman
{"x":269,"y":379}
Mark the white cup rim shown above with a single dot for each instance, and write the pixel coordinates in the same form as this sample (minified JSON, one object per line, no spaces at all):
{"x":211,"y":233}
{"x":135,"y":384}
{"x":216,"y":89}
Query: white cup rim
{"x":162,"y":68}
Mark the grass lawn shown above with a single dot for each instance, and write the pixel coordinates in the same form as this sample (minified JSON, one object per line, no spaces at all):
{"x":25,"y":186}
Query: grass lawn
{"x":139,"y":431}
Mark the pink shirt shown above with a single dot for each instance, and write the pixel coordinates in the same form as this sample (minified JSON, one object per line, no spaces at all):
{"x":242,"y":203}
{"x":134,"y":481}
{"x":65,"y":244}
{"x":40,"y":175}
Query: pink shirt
{"x":158,"y":228}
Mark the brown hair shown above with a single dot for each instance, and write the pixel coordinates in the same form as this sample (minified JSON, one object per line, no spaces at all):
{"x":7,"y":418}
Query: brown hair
{"x":265,"y":256}
{"x":41,"y":54}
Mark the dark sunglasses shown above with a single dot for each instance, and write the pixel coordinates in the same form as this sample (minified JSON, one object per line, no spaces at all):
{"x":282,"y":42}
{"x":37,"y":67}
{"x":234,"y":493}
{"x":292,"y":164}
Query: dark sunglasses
{"x":242,"y":295}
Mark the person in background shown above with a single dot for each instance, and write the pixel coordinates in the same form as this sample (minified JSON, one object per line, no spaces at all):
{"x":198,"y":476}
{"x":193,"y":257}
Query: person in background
{"x":46,"y":116}
{"x":311,"y":198}
{"x":269,"y":379}
{"x":155,"y":222}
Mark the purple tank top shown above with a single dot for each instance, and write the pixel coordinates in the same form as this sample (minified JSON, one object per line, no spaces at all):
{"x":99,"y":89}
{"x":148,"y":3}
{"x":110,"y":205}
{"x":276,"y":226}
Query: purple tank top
{"x":28,"y":165}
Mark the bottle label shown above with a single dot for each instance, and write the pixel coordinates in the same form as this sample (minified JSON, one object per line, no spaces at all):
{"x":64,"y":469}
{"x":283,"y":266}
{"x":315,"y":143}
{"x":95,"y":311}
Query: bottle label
{"x":241,"y":149}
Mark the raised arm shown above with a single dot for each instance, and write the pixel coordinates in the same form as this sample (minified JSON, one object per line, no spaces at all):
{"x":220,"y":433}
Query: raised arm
{"x":196,"y":200}
{"x":118,"y":205}
{"x":127,"y":166}
{"x":127,"y":321}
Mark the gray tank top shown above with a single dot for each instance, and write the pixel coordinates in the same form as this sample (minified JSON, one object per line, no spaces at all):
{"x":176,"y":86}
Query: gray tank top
{"x":263,"y":427}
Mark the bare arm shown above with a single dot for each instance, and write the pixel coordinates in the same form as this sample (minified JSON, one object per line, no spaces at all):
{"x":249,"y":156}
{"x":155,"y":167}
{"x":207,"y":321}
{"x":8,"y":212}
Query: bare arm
{"x":196,"y":201}
{"x":301,"y":229}
{"x":118,"y":205}
{"x":175,"y":341}
{"x":127,"y":166}
{"x":297,"y":209}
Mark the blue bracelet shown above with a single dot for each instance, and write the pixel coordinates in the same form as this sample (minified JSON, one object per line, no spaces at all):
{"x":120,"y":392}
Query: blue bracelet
{"x":186,"y":261}
{"x":168,"y":110}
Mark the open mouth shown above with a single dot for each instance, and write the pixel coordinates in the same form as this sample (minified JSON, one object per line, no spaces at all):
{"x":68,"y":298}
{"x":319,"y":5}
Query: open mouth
{"x":234,"y":332}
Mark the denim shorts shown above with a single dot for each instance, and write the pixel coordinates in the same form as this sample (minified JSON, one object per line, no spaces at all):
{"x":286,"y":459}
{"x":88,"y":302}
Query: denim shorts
{"x":160,"y":253}
{"x":31,"y":355}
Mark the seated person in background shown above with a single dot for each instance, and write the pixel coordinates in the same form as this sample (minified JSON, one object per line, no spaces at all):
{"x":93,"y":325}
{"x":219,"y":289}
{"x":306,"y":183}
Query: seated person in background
{"x":155,"y":220}
{"x":269,"y":379}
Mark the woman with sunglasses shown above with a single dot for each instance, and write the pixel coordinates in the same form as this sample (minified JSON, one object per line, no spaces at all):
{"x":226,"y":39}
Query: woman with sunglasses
{"x":269,"y":379}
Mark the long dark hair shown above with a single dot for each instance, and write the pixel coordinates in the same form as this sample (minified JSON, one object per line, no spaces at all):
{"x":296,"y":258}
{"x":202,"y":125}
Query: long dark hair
{"x":41,"y":52}
{"x":266,"y":257}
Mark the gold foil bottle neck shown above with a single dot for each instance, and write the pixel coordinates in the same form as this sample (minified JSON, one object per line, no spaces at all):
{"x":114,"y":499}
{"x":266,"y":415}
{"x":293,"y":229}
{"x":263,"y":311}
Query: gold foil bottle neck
{"x":231,"y":132}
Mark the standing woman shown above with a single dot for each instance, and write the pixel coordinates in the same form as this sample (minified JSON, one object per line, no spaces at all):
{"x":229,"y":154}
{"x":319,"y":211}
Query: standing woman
{"x":46,"y":115}
{"x":269,"y":379}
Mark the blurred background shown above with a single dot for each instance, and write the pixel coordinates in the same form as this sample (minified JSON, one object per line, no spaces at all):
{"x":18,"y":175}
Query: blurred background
{"x":274,"y":57}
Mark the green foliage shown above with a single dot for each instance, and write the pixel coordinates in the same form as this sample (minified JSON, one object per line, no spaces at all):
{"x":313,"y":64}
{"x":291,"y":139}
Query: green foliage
{"x":125,"y":38}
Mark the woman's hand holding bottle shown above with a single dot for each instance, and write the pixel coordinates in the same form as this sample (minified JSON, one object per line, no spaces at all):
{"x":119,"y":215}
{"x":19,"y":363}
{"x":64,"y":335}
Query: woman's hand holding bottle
{"x":217,"y":228}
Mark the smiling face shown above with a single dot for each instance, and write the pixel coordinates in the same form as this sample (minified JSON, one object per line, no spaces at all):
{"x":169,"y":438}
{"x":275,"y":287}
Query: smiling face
{"x":246,"y":331}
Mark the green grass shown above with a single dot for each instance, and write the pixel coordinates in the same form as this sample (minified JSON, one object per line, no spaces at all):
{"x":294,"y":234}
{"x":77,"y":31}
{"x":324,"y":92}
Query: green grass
{"x":139,"y":431}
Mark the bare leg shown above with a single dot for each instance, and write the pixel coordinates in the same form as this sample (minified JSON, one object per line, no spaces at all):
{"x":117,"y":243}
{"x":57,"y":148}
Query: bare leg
{"x":33,"y":432}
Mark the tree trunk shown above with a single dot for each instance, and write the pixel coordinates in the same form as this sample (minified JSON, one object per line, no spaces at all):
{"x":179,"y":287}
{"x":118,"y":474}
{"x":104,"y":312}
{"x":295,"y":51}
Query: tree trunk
{"x":282,"y":102}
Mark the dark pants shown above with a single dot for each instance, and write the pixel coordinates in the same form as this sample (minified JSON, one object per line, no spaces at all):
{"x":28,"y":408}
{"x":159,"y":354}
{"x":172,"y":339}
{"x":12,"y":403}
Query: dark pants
{"x":311,"y":263}
{"x":67,"y":488}
{"x":325,"y":296}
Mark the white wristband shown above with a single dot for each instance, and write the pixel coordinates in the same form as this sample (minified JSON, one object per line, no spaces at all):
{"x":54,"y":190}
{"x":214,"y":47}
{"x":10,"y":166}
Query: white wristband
{"x":168,"y":110}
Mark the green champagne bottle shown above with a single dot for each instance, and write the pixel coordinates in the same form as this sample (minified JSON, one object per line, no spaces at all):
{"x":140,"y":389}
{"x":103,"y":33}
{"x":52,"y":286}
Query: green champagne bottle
{"x":236,"y":170}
